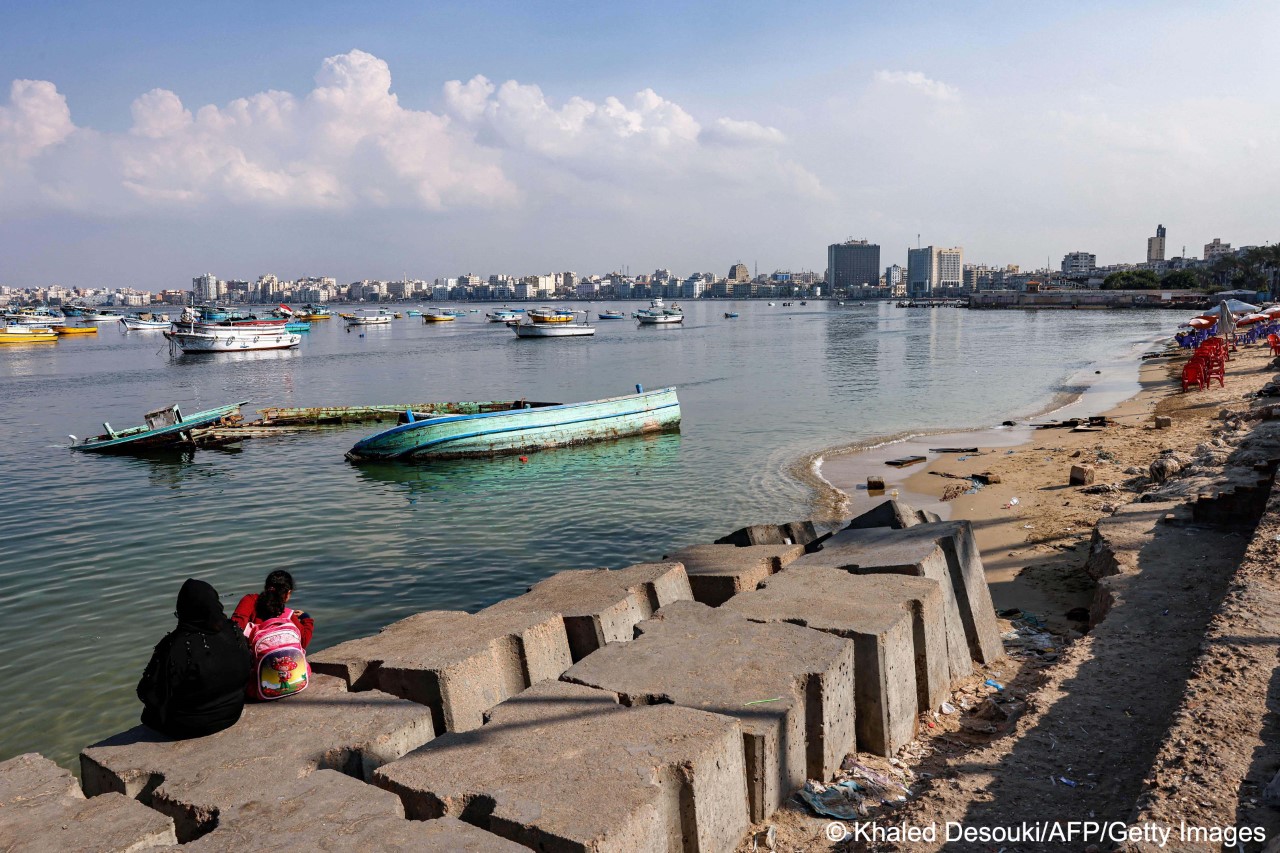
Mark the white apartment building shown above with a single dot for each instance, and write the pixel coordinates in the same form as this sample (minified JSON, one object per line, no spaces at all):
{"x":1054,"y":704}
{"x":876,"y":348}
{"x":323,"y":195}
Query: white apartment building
{"x":1079,"y":263}
{"x":933,"y":269}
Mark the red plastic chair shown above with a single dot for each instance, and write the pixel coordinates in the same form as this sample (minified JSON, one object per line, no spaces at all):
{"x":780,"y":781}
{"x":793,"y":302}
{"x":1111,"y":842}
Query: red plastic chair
{"x":1273,"y":340}
{"x":1192,"y":374}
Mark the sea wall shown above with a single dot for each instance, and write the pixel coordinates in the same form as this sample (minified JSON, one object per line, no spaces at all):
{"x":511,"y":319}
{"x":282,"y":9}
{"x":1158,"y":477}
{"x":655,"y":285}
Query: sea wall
{"x":620,"y":709}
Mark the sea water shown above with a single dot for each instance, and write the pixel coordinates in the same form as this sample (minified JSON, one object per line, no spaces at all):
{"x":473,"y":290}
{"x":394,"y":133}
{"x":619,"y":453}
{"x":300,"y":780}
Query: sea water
{"x":94,"y":548}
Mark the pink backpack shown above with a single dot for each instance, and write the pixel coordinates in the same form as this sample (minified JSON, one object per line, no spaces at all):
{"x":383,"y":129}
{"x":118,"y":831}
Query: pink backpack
{"x":279,"y":663}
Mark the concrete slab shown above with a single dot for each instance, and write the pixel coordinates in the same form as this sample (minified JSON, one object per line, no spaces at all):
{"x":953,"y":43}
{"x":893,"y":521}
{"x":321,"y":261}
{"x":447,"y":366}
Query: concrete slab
{"x":43,"y":811}
{"x":330,"y":811}
{"x":719,"y":572}
{"x":791,"y":533}
{"x":274,"y":743}
{"x":565,"y":767}
{"x":600,"y":606}
{"x":897,"y":625}
{"x":892,"y":513}
{"x":882,"y":550}
{"x":791,"y":688}
{"x":457,"y":664}
{"x":968,"y":580}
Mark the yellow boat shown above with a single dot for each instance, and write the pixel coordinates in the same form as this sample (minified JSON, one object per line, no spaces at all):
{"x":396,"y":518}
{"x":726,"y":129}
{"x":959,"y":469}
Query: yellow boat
{"x":76,"y":330}
{"x":549,"y":315}
{"x":437,"y":318}
{"x":27,"y":335}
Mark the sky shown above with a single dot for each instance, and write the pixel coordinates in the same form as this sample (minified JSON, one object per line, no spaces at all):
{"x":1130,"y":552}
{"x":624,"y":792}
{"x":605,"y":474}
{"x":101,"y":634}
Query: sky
{"x":143,"y":144}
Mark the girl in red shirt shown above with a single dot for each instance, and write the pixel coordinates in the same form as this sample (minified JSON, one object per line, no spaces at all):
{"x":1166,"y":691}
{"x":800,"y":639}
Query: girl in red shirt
{"x":260,"y":606}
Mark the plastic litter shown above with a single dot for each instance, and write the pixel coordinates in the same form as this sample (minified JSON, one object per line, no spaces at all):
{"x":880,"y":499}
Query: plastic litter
{"x":764,"y":701}
{"x":947,"y":708}
{"x":991,"y":682}
{"x":1064,"y":780}
{"x":767,"y":837}
{"x":841,"y":801}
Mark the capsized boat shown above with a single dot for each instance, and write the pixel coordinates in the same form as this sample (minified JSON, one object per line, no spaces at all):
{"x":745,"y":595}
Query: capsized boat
{"x":521,"y":430}
{"x":166,"y":427}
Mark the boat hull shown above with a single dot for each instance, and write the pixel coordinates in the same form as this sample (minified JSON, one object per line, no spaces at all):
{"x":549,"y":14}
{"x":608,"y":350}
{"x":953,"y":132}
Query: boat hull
{"x":525,"y":330}
{"x":135,"y":325}
{"x":659,"y":319}
{"x":141,"y":438}
{"x":368,"y":321}
{"x":524,"y":430}
{"x":230,"y":339}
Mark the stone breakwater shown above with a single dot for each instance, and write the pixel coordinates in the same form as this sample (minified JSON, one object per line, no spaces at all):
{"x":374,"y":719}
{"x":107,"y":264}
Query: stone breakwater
{"x":663,"y":706}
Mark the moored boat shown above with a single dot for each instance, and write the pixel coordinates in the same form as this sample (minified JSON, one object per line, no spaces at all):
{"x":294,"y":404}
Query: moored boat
{"x":165,"y":427}
{"x":367,"y":319}
{"x":524,"y":429}
{"x":658,"y":313}
{"x":205,"y":338}
{"x":437,"y":317}
{"x":552,"y":330}
{"x":298,"y":326}
{"x":72,"y":331}
{"x":610,"y":314}
{"x":550,"y":315}
{"x":140,"y":322}
{"x":729,"y":315}
{"x":16,"y":334}
{"x":43,"y":318}
{"x":503,"y":316}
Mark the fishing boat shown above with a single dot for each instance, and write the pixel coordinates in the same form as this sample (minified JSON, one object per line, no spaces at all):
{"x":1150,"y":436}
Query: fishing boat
{"x":16,"y":334}
{"x":412,"y":312}
{"x":367,"y":319}
{"x":610,"y":314}
{"x":658,"y":313}
{"x":297,"y":326}
{"x":552,"y":330}
{"x":520,"y":430}
{"x":729,"y":315}
{"x":140,"y":322}
{"x":206,"y":337}
{"x":41,"y":317}
{"x":100,"y":315}
{"x":311,"y":313}
{"x":503,"y":316}
{"x":437,"y":317}
{"x":165,"y":427}
{"x":550,"y":315}
{"x":65,"y":331}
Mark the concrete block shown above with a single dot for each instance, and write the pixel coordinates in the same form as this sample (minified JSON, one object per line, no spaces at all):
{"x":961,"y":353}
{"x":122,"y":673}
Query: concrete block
{"x":457,"y":664}
{"x":330,"y":811}
{"x":43,"y":811}
{"x":274,"y":743}
{"x":791,"y":533}
{"x":601,"y":606}
{"x":963,"y":577}
{"x":1163,"y":421}
{"x":875,"y":483}
{"x":891,"y":513}
{"x":1082,"y":475}
{"x":715,"y":660}
{"x":719,"y":572}
{"x":897,"y":625}
{"x":565,"y":767}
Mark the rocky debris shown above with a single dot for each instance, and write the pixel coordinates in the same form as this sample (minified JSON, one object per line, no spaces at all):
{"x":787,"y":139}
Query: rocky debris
{"x":43,"y":811}
{"x":791,"y":533}
{"x":719,"y":572}
{"x":1082,"y":475}
{"x":894,"y":514}
{"x":600,"y":606}
{"x":897,"y":627}
{"x":192,"y":781}
{"x":791,"y":688}
{"x":457,"y":664}
{"x":1169,"y":463}
{"x":330,"y":811}
{"x":1100,"y":489}
{"x":562,"y":766}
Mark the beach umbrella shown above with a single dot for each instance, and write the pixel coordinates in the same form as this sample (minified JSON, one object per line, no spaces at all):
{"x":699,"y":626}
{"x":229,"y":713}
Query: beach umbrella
{"x":1250,"y":319}
{"x":1233,"y":306}
{"x":1200,"y":323}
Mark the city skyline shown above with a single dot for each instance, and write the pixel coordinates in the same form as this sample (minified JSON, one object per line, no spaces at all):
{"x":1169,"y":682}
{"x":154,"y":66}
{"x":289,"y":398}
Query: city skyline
{"x":525,"y":138}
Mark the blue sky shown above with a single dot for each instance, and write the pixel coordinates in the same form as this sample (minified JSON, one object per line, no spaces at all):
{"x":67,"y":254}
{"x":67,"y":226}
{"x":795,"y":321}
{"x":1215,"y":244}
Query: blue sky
{"x":683,"y":135}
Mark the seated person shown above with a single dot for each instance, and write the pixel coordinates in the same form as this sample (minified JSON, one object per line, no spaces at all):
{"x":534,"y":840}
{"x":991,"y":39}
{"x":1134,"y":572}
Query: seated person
{"x":194,"y":684}
{"x":259,"y":606}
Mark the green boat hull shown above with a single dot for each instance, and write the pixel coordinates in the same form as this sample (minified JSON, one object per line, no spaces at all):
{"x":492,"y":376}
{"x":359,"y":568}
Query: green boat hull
{"x":524,"y":430}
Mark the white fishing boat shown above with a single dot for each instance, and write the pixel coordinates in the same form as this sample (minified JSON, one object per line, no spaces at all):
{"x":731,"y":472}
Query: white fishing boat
{"x":41,"y":318}
{"x":558,"y":329}
{"x":141,"y":322}
{"x":98,"y":315}
{"x":658,"y":313}
{"x":368,"y":319}
{"x":201,"y":338}
{"x":503,"y":316}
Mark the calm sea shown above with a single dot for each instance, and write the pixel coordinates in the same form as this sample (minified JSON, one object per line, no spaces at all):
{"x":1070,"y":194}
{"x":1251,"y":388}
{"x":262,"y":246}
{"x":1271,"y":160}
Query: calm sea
{"x":95,"y":548}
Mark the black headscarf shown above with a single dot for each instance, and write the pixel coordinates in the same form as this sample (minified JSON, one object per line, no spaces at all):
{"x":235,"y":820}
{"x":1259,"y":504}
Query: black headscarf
{"x":199,"y":607}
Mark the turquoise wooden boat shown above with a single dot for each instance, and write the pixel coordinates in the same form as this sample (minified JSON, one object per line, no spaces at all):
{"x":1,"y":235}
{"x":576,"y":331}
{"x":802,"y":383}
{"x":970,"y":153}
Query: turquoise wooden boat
{"x":521,"y":430}
{"x":297,"y":326}
{"x":166,"y":427}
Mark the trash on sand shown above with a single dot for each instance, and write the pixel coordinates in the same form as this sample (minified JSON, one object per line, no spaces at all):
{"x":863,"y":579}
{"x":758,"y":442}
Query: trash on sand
{"x":1166,"y":612}
{"x":991,"y":682}
{"x":767,"y":836}
{"x":947,"y":708}
{"x":878,"y":787}
{"x":1064,"y":780}
{"x":764,"y":701}
{"x":1028,"y":527}
{"x":1012,"y":503}
{"x":840,"y":801}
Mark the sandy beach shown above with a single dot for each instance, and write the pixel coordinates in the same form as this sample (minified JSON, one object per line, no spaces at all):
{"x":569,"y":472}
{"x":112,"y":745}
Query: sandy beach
{"x":1122,"y":718}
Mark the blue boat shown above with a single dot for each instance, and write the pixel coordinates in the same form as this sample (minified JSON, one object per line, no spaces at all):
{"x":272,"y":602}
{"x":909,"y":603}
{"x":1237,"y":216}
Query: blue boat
{"x":729,"y":315}
{"x":297,"y":326}
{"x":166,"y":427}
{"x":523,"y":429}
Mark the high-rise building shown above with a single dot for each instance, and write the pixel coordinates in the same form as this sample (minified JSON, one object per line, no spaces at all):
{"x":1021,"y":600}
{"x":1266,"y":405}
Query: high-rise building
{"x":932,"y":270}
{"x":1078,"y":263}
{"x":1216,"y":249}
{"x":895,"y":278}
{"x":205,"y":288}
{"x":1155,"y":246}
{"x":739,"y":272}
{"x":852,"y":264}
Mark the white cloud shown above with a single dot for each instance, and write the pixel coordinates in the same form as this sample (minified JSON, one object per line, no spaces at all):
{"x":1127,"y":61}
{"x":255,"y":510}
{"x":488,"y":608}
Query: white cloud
{"x":349,"y":144}
{"x":917,"y":81}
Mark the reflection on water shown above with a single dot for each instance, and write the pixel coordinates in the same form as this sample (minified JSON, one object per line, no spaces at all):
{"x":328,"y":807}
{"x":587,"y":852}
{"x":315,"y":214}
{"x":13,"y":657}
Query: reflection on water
{"x":95,"y":548}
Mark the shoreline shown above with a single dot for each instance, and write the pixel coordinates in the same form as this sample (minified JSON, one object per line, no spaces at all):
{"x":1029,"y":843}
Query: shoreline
{"x":1032,"y":563}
